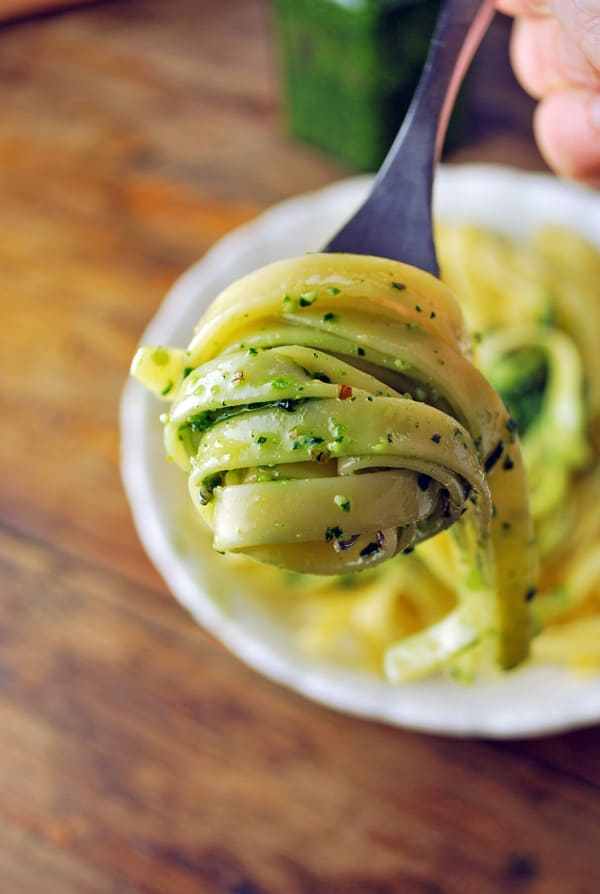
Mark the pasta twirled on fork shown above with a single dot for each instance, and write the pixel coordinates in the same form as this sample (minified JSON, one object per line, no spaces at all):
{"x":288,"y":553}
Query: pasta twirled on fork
{"x":329,"y":416}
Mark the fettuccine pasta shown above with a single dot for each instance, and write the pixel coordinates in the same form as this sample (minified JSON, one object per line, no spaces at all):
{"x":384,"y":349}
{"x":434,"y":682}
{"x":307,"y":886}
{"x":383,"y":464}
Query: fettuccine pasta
{"x":542,"y":354}
{"x":329,"y":417}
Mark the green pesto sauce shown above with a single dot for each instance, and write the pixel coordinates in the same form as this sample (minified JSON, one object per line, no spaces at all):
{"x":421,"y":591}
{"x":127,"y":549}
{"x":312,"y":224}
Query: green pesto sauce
{"x":520,"y":378}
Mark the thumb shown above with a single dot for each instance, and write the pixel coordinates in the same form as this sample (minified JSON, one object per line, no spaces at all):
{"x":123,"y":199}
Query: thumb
{"x":581,"y":21}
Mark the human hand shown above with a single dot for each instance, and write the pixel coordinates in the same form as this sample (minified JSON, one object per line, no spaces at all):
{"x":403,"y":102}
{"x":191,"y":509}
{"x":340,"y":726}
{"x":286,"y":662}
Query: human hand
{"x":555,"y":53}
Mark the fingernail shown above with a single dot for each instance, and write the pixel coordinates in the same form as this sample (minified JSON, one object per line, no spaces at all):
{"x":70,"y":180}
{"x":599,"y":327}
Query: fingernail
{"x":595,"y":111}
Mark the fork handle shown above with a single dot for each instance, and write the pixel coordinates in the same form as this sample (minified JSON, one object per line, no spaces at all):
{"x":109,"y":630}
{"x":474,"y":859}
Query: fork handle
{"x":395,"y":221}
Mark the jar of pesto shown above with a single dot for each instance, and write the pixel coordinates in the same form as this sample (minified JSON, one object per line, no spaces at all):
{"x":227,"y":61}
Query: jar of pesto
{"x":349,"y":70}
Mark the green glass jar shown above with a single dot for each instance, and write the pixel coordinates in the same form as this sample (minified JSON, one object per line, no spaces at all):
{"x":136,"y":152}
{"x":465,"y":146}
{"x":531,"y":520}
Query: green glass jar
{"x":349,"y":70}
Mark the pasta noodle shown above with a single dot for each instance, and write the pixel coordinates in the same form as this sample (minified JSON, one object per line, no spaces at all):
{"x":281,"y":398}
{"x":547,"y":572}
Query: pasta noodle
{"x":543,"y":357}
{"x":329,"y":417}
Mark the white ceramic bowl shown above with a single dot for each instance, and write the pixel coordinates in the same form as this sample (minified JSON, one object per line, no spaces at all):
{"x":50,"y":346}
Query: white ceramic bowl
{"x":532,"y":701}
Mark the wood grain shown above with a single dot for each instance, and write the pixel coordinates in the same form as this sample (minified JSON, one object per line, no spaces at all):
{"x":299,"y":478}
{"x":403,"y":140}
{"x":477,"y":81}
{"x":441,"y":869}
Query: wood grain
{"x":137,"y":755}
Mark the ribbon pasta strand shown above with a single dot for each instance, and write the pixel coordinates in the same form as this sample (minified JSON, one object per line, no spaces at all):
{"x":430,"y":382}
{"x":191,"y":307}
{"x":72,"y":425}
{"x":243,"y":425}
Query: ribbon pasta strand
{"x":535,"y":306}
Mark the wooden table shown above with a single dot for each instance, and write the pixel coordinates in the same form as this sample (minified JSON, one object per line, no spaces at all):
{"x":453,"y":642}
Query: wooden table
{"x":136,"y":754}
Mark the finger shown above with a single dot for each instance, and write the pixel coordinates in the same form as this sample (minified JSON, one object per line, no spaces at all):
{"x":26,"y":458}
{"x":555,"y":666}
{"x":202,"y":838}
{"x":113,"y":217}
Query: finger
{"x":581,"y":21}
{"x":567,"y":130}
{"x":545,"y":58}
{"x":579,"y":18}
{"x":523,"y":8}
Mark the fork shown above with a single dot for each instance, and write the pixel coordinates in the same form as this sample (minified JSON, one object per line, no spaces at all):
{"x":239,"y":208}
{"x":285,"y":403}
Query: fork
{"x":395,"y":221}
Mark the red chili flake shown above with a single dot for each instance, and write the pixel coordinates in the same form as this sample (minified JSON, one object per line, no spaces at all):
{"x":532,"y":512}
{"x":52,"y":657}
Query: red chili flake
{"x":238,"y":376}
{"x":344,"y":392}
{"x":320,"y":456}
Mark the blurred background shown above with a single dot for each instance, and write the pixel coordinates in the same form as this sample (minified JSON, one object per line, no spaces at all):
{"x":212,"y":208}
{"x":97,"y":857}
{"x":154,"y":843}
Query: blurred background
{"x":151,"y":89}
{"x":136,"y":755}
{"x":157,"y":108}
